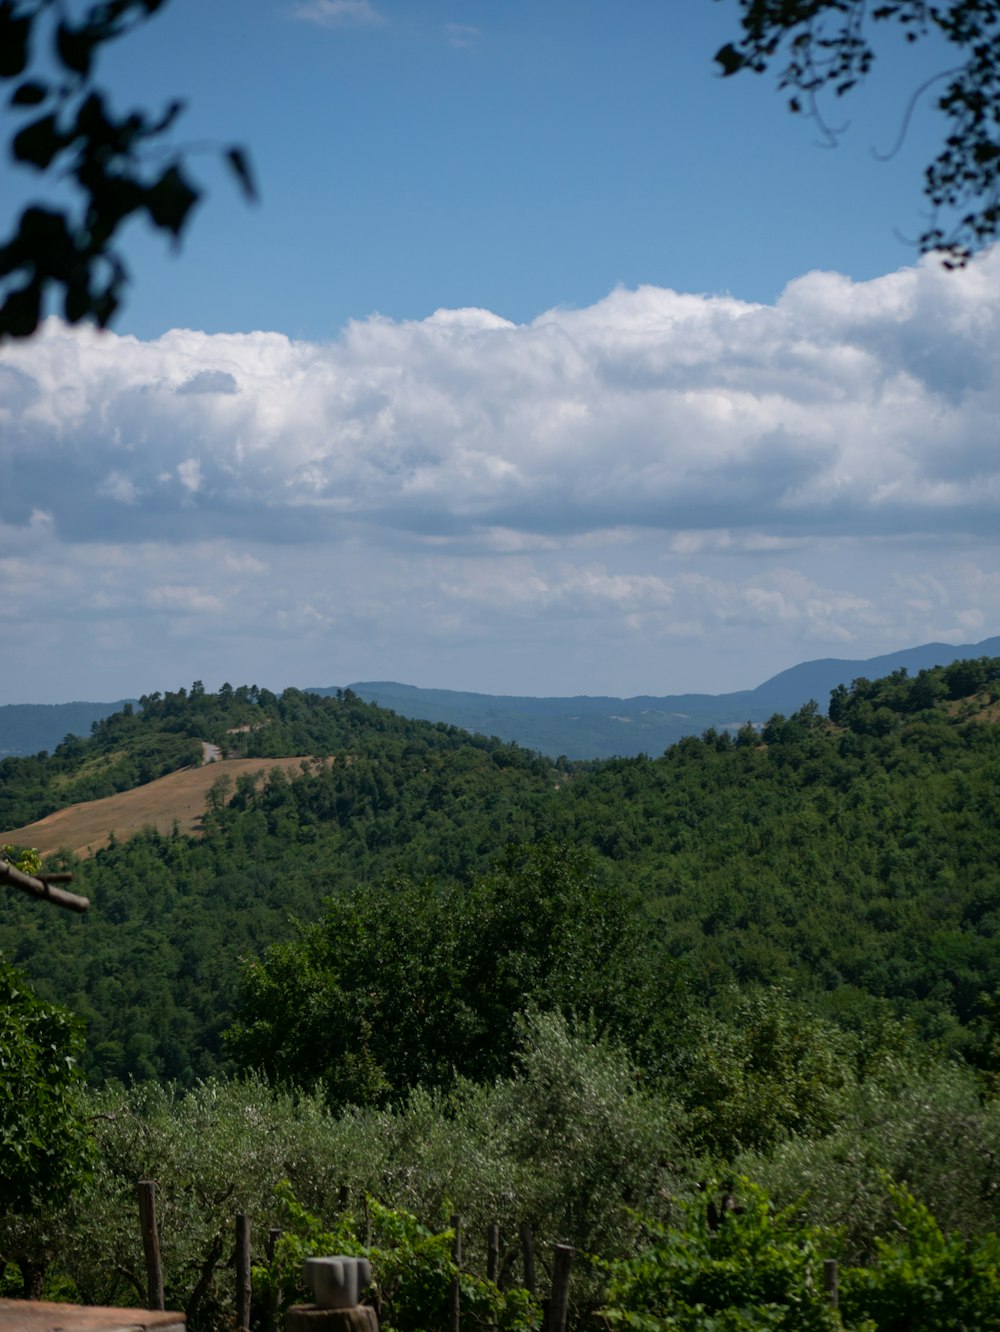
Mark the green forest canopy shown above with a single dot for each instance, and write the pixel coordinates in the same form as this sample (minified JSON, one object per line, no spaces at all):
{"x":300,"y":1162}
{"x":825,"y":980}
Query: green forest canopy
{"x":851,"y":860}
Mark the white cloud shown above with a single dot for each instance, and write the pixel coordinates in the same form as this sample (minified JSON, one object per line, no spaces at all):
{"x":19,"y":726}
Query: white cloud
{"x":688,"y":413}
{"x":189,"y":599}
{"x":118,"y":487}
{"x":657,"y":469}
{"x":190,"y":475}
{"x":460,"y":35}
{"x":338,"y":13}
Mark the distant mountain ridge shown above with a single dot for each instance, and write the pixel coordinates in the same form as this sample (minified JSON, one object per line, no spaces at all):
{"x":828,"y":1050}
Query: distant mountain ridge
{"x":29,"y":728}
{"x":578,"y":727}
{"x":586,"y":726}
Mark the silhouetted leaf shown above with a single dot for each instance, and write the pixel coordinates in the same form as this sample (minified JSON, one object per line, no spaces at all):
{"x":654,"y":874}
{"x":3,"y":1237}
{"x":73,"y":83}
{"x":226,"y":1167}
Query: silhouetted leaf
{"x":14,"y":34}
{"x":74,"y":47}
{"x":240,"y":166}
{"x":29,"y":94}
{"x":730,"y":59}
{"x":91,"y":122}
{"x":170,"y":200}
{"x":167,"y":119}
{"x":38,"y":142}
{"x":20,"y":311}
{"x":77,"y":303}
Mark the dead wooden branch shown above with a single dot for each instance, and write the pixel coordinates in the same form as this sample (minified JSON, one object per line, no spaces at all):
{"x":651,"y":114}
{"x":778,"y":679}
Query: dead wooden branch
{"x":42,"y":886}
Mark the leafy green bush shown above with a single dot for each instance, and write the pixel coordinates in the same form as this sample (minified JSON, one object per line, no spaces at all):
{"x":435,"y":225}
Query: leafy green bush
{"x":46,"y":1146}
{"x":214,"y":1151}
{"x":758,"y":1270}
{"x":45,"y":1143}
{"x":925,"y":1280}
{"x":408,"y":983}
{"x":764,"y":1071}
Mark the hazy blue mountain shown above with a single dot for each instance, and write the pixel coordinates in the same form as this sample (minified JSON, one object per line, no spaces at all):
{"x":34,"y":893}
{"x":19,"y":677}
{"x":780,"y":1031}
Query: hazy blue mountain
{"x":598,"y":727}
{"x":580,"y":727}
{"x":815,"y":679}
{"x":28,"y":728}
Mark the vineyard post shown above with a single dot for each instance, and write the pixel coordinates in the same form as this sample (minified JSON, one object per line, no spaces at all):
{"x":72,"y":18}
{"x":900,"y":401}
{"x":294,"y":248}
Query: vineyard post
{"x":528,"y":1250}
{"x":456,"y":1290}
{"x":150,"y":1244}
{"x":559,"y":1303}
{"x":271,"y":1312}
{"x":830,"y":1281}
{"x":242,"y":1272}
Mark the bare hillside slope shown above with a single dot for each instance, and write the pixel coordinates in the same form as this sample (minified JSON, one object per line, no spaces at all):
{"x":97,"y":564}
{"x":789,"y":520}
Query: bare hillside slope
{"x":179,"y":797}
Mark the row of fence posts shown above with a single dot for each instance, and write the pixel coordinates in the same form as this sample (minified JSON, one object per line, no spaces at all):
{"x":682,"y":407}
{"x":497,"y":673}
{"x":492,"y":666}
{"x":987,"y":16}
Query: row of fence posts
{"x":558,"y":1302}
{"x":561,"y":1268}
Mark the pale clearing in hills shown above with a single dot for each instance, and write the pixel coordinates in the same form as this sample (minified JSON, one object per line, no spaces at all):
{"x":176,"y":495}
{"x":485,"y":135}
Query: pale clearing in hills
{"x":180,"y":797}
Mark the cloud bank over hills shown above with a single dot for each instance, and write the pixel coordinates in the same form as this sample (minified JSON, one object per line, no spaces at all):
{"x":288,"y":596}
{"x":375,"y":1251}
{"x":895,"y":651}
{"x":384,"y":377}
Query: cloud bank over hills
{"x":610,"y":499}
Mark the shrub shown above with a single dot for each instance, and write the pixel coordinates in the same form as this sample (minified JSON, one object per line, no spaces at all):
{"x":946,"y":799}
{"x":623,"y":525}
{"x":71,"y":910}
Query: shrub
{"x":757,"y":1270}
{"x":925,"y":1280}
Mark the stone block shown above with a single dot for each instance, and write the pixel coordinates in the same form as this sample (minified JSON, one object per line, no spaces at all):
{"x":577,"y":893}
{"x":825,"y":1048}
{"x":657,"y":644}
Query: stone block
{"x":337,"y":1282}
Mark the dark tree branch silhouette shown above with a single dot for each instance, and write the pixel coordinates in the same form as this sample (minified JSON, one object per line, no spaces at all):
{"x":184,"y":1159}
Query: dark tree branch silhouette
{"x":826,"y":46}
{"x":118,"y":165}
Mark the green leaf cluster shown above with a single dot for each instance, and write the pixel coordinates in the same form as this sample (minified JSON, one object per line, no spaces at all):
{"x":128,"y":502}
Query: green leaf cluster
{"x":754,"y":1269}
{"x":924,"y":1280}
{"x":45,"y":1141}
{"x":410,"y":983}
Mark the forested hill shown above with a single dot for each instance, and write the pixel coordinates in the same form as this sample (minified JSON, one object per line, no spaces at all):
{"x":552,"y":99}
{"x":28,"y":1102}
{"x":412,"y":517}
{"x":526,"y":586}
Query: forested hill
{"x":167,"y":732}
{"x":854,"y":859}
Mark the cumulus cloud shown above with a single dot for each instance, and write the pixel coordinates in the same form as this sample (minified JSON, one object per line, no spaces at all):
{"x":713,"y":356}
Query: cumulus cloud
{"x":658,"y":465}
{"x":831,"y":409}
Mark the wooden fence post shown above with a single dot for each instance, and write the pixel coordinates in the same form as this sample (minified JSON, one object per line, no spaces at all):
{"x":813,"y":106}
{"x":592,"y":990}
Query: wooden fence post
{"x":271,"y":1312}
{"x":830,"y":1281}
{"x":528,"y":1250}
{"x":243,"y":1272}
{"x":456,"y":1291}
{"x":559,"y":1304}
{"x":493,"y":1252}
{"x":150,"y":1244}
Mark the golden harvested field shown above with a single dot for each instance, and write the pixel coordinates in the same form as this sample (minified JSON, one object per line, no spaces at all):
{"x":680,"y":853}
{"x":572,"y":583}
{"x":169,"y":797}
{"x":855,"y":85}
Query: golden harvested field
{"x":180,"y":796}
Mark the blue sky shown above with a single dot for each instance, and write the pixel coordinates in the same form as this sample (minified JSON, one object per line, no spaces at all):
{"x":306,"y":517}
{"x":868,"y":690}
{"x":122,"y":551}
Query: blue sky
{"x":513,"y":156}
{"x":548,"y":363}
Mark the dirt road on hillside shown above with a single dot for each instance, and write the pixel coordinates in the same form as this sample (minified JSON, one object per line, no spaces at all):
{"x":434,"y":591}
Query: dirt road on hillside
{"x":180,"y":796}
